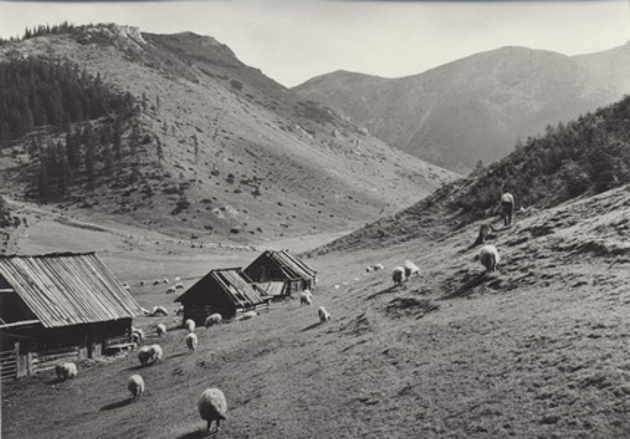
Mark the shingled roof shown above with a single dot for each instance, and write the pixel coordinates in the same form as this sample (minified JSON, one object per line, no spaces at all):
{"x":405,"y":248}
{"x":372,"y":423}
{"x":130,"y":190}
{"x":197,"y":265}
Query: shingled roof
{"x":232,"y":281}
{"x":67,"y":289}
{"x":292,"y":267}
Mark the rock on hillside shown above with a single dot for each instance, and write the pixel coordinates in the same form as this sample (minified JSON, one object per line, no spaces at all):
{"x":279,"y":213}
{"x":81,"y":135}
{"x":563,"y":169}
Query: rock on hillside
{"x":244,"y":158}
{"x":477,"y":107}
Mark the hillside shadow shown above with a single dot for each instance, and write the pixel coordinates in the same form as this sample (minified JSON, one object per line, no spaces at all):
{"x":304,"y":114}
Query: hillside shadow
{"x":313,"y":326}
{"x":197,"y":434}
{"x":138,"y":367}
{"x":181,"y":354}
{"x":467,"y":287}
{"x":116,"y":405}
{"x":54,"y":381}
{"x":379,"y":293}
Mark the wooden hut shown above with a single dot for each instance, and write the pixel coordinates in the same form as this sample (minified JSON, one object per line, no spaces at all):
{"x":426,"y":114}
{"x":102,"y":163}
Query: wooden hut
{"x":273,"y":267}
{"x":226,"y":291}
{"x":58,"y":307}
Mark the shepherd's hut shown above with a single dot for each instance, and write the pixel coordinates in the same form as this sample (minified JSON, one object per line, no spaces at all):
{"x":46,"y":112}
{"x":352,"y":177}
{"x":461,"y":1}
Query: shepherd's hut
{"x":226,"y":291}
{"x":280,"y":273}
{"x":59,"y":307}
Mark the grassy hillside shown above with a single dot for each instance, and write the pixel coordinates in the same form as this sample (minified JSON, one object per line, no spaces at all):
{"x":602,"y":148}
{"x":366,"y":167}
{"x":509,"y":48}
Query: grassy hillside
{"x":214,"y":149}
{"x":584,"y":157}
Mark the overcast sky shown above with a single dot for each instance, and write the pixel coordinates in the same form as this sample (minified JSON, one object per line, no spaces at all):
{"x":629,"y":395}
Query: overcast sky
{"x":293,"y":40}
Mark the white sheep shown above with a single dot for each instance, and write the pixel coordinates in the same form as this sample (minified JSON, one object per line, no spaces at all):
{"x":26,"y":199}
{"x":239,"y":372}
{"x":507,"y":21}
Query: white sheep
{"x":170,"y":290}
{"x":156,"y":282}
{"x":398,"y":275}
{"x":159,"y":311}
{"x":179,"y":286}
{"x":165,"y":280}
{"x":190,"y":325}
{"x":177,"y":279}
{"x":137,"y":334}
{"x":160,"y":329}
{"x":66,"y":370}
{"x":323,"y":314}
{"x":378,"y":267}
{"x":247,"y":315}
{"x":155,"y":353}
{"x":136,"y":386}
{"x":212,"y":407}
{"x":489,"y":257}
{"x":144,"y":355}
{"x":213,"y":319}
{"x":411,"y":269}
{"x":145,"y":311}
{"x":306,"y":297}
{"x":192,"y":341}
{"x":368,"y":269}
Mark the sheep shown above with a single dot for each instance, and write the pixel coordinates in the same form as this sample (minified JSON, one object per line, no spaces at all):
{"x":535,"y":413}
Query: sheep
{"x":189,"y":324}
{"x":191,"y":341}
{"x":306,"y":297}
{"x":177,"y":279}
{"x":368,"y":269}
{"x":179,"y":286}
{"x":165,"y":280}
{"x":159,"y":311}
{"x":179,"y":310}
{"x":135,"y":386}
{"x":212,"y":407}
{"x":411,"y":269}
{"x":378,"y":267}
{"x":155,"y":353}
{"x":213,"y":319}
{"x":142,"y":283}
{"x":489,"y":257}
{"x":160,"y":329}
{"x":156,"y":282}
{"x":125,"y":285}
{"x":170,"y":290}
{"x":145,"y":311}
{"x":66,"y":370}
{"x":137,"y":335}
{"x":398,"y":275}
{"x":144,"y":355}
{"x":323,"y":314}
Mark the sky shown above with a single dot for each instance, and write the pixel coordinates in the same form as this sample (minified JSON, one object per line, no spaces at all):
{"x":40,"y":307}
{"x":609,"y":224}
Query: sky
{"x":292,"y":41}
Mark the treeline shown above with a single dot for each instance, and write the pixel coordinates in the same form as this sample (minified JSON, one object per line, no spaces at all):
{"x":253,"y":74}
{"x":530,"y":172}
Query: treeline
{"x":41,"y":30}
{"x":36,"y":93}
{"x":83,"y":156}
{"x":585,"y":156}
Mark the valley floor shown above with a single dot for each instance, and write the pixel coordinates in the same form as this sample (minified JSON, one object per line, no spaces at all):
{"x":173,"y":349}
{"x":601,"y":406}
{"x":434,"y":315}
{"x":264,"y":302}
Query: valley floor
{"x":535,"y":350}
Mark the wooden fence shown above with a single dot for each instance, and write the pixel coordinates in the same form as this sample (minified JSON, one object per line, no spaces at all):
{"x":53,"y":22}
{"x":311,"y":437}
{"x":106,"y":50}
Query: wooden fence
{"x":8,"y":365}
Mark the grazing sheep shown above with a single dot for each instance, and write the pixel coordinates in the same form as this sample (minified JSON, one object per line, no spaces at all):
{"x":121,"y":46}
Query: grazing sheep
{"x":125,"y":285}
{"x":136,"y":386}
{"x":160,"y":329}
{"x":411,"y":269}
{"x":177,"y":279}
{"x":156,"y":282}
{"x":191,"y":341}
{"x":144,"y":355}
{"x":213,"y":319}
{"x":378,"y":267}
{"x":212,"y":407}
{"x":398,"y":275}
{"x":190,"y":325}
{"x":165,"y":280}
{"x":489,"y":257}
{"x":368,"y":269}
{"x":306,"y":297}
{"x":155,"y":353}
{"x":170,"y":290}
{"x":323,"y":314}
{"x":179,"y":286}
{"x":142,"y":283}
{"x":159,"y":311}
{"x":145,"y":311}
{"x":66,"y":370}
{"x":179,"y":310}
{"x":137,"y":334}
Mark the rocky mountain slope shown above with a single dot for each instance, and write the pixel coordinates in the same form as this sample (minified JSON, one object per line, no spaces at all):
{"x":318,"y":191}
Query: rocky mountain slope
{"x":243,"y":158}
{"x":476,"y":108}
